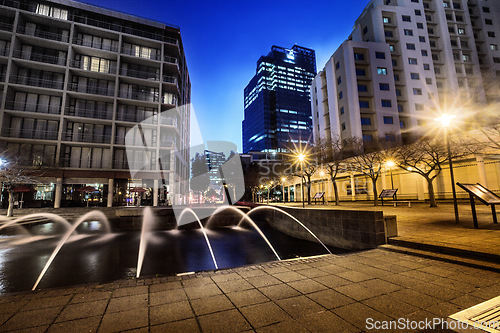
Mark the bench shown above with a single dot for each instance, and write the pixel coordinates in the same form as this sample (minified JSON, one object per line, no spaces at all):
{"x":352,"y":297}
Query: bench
{"x":396,"y":203}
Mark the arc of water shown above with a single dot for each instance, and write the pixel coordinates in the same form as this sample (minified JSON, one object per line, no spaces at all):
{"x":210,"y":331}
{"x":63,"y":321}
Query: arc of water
{"x":189,"y":210}
{"x":245,"y":217}
{"x":94,"y":214}
{"x":147,"y":220}
{"x":50,"y":216}
{"x":291,"y":216}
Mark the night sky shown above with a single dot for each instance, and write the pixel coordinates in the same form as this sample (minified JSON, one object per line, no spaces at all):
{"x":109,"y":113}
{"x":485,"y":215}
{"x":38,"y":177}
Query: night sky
{"x":224,"y":39}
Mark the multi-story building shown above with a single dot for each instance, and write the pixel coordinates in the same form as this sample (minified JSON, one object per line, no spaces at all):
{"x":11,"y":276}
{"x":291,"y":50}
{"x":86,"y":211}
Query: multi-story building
{"x":74,"y":80}
{"x":214,"y":162}
{"x":405,"y":61}
{"x":277,"y":101}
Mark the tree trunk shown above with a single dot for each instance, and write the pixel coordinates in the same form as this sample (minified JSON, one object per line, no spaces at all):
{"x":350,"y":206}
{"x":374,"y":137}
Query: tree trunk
{"x":432,"y":196}
{"x":336,"y":192}
{"x":309,"y":193}
{"x":10,"y":210}
{"x":375,"y":196}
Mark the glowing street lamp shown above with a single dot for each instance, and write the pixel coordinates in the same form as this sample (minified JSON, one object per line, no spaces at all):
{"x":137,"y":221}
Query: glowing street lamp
{"x":301,"y":158}
{"x":445,"y":121}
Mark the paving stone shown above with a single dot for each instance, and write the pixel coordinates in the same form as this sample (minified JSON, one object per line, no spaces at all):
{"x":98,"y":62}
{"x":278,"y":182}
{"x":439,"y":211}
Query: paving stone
{"x":225,"y":277}
{"x":380,"y":286}
{"x":202,"y":291}
{"x":33,"y":318}
{"x":354,"y":276}
{"x":164,"y":286}
{"x":307,"y":286}
{"x":170,"y":312}
{"x":437,"y":291}
{"x":312,"y":272}
{"x":332,"y":281}
{"x":211,"y":304}
{"x":264,"y":314}
{"x":279,"y":291}
{"x":357,"y":291}
{"x":299,"y":306}
{"x":330,"y":298}
{"x":90,"y":296}
{"x":130,"y":291}
{"x":198,"y":282}
{"x":444,"y":309}
{"x":46,"y":302}
{"x":357,"y":314}
{"x":284,"y":326}
{"x":168,"y":296}
{"x":125,"y":320}
{"x":466,"y":301}
{"x":327,"y":321}
{"x":289,"y":276}
{"x":415,"y":298}
{"x":184,"y":326}
{"x":390,"y":306}
{"x":226,"y":321}
{"x":248,"y":273}
{"x":82,"y":310}
{"x":77,"y":325}
{"x":234,"y":285}
{"x":247,"y":297}
{"x":117,"y":304}
{"x":264,"y":280}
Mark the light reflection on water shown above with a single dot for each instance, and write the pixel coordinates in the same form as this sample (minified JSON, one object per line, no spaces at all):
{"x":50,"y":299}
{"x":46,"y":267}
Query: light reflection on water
{"x":95,"y":257}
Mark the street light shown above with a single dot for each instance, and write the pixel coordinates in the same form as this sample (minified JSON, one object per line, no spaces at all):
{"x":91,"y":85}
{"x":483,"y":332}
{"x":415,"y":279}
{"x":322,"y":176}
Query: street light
{"x":301,"y":157}
{"x":283,"y":188}
{"x":390,"y":164}
{"x":445,"y":121}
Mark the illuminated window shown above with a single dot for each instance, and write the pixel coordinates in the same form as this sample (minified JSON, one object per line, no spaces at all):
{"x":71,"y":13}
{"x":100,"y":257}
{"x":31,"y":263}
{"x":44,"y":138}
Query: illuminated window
{"x":382,"y":71}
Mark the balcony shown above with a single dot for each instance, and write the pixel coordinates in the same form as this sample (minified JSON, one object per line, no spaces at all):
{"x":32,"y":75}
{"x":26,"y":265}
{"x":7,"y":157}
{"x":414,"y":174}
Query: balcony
{"x":79,"y":64}
{"x":144,"y":55}
{"x":4,"y":52}
{"x":139,"y":95}
{"x":88,"y":113}
{"x":171,"y":60}
{"x":28,"y":55}
{"x":86,"y":137}
{"x":43,"y":34}
{"x":36,"y":82}
{"x":91,"y":89}
{"x":31,"y":134}
{"x":6,"y":26}
{"x":168,"y":121}
{"x":95,"y":45}
{"x":33,"y":107}
{"x":150,"y":76}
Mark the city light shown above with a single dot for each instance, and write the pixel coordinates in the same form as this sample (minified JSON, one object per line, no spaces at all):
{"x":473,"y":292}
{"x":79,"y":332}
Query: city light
{"x":445,"y":119}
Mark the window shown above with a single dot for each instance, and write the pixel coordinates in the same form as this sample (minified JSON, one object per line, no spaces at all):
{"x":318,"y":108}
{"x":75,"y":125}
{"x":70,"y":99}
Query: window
{"x":430,"y":31}
{"x":339,"y":79}
{"x":419,"y":107}
{"x":52,"y":11}
{"x":388,"y":33}
{"x":446,"y":4}
{"x":384,"y":86}
{"x":424,"y":53}
{"x":466,"y":57}
{"x":417,"y":91}
{"x":364,"y":104}
{"x":428,"y":80}
{"x":366,"y":121}
{"x":340,"y":95}
{"x":412,"y":61}
{"x":380,"y":55}
{"x":337,"y":65}
{"x":496,"y":60}
{"x":494,"y":47}
{"x":456,"y":5}
{"x":401,"y":124}
{"x":461,"y":31}
{"x":400,"y":108}
{"x":459,"y":18}
{"x":367,"y":137}
{"x":396,"y":77}
{"x":451,"y":30}
{"x":391,"y":48}
{"x":386,"y":103}
{"x":341,"y":110}
{"x":386,"y":20}
{"x":408,"y":32}
{"x":398,"y":92}
{"x":427,"y":67}
{"x":388,"y":120}
{"x":406,"y":18}
{"x":488,"y":22}
{"x":362,"y":88}
{"x":359,"y":56}
{"x":414,"y":1}
{"x":381,"y":70}
{"x":491,"y":34}
{"x":360,"y":72}
{"x":486,"y":9}
{"x":420,"y":25}
{"x":394,"y":63}
{"x":390,"y":137}
{"x":343,"y":126}
{"x":464,"y":44}
{"x":421,"y":39}
{"x":415,"y":76}
{"x":418,"y":12}
{"x":410,"y":46}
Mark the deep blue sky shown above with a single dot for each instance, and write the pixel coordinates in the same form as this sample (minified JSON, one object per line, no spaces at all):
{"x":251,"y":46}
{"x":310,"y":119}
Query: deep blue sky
{"x":224,"y":39}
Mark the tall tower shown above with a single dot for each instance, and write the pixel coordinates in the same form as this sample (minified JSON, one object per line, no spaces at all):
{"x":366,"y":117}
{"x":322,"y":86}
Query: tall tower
{"x":277,"y":101}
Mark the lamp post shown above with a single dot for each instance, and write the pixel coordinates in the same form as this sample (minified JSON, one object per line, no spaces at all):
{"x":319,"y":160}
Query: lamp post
{"x":269,"y":190}
{"x":445,"y":121}
{"x":283,"y":188}
{"x":390,"y":164}
{"x":301,"y":157}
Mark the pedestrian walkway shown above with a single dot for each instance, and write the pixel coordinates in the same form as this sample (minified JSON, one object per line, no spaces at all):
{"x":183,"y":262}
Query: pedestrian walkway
{"x":347,"y":293}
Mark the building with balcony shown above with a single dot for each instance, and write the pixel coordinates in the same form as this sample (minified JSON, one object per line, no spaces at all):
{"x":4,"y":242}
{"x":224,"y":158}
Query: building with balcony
{"x":277,"y":101}
{"x":74,"y":80}
{"x":406,"y":61}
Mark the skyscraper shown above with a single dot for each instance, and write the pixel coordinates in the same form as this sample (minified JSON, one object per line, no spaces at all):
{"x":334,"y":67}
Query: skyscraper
{"x":406,"y":61}
{"x":277,"y":101}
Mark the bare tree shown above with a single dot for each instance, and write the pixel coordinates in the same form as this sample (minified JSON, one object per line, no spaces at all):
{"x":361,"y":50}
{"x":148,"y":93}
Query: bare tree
{"x":426,"y":158}
{"x":14,"y":172}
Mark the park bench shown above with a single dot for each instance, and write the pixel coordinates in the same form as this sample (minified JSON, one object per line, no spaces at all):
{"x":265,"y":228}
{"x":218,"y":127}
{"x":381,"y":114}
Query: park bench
{"x":401,"y":202}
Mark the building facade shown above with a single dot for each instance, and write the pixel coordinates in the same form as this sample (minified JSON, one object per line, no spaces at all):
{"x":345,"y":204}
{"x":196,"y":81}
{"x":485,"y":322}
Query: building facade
{"x":74,"y":80}
{"x":405,"y":62}
{"x":277,"y":101}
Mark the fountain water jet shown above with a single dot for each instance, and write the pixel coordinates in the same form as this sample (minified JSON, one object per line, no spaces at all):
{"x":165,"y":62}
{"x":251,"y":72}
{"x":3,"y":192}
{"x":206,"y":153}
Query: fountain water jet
{"x":27,"y":218}
{"x":147,"y":221}
{"x":189,"y":210}
{"x":94,"y":214}
{"x":291,"y":216}
{"x":245,"y":217}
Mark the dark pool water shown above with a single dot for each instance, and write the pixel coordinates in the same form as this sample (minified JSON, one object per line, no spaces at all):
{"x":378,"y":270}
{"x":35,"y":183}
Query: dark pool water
{"x":95,"y":257}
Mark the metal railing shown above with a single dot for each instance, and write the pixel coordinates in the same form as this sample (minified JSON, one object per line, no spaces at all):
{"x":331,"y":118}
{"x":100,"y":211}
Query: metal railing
{"x":33,"y":107}
{"x":6,"y":26}
{"x":22,"y":133}
{"x":85,"y":137}
{"x":134,"y":118}
{"x":40,"y":57}
{"x":36,"y":82}
{"x":91,"y":90}
{"x":43,"y":34}
{"x":169,"y":79}
{"x":168,"y":121}
{"x":140,"y":96}
{"x":4,"y":52}
{"x":88,"y":113}
{"x":95,"y":45}
{"x":80,"y":65}
{"x":133,"y":53}
{"x":152,"y":76}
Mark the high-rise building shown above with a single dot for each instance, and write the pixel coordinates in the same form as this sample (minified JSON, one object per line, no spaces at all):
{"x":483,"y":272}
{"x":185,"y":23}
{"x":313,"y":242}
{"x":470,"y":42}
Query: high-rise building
{"x":406,"y":61}
{"x":74,"y":80}
{"x":214,"y":162}
{"x":277,"y":101}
